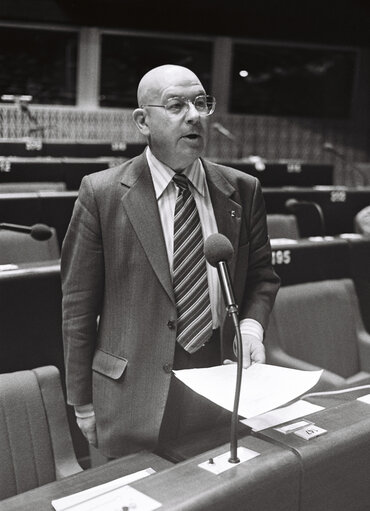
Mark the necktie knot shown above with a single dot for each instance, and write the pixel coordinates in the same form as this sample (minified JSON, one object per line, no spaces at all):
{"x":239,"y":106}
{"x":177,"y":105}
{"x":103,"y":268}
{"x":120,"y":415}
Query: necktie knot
{"x":181,"y":181}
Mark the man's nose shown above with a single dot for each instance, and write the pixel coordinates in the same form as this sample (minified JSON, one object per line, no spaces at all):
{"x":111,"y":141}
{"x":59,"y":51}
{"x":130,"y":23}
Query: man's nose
{"x":192,"y":115}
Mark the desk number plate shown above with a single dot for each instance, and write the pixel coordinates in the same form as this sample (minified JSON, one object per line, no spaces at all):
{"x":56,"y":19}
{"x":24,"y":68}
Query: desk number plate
{"x":310,"y":431}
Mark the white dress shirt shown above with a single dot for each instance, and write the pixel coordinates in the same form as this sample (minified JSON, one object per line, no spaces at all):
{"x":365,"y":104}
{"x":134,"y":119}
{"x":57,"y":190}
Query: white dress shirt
{"x":166,"y":194}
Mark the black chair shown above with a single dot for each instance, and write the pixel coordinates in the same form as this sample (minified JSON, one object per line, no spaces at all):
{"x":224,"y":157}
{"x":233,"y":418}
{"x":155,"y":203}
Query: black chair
{"x":318,"y":325}
{"x":282,"y":226}
{"x":35,"y":441}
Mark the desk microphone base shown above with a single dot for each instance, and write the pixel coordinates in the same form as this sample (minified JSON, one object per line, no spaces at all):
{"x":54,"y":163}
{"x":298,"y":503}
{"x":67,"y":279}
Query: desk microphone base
{"x":221,"y":463}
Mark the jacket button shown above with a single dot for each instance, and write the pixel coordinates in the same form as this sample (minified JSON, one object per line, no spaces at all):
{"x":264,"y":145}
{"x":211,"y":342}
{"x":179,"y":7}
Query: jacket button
{"x":167,"y":368}
{"x":171,"y":325}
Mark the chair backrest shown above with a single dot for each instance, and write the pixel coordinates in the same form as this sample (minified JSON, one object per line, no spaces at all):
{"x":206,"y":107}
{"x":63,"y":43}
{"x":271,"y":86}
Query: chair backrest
{"x":318,"y":322}
{"x":18,"y":247}
{"x":35,"y":442}
{"x":282,"y":226}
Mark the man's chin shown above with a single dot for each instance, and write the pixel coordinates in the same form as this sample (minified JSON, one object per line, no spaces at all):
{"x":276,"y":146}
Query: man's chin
{"x":187,"y":158}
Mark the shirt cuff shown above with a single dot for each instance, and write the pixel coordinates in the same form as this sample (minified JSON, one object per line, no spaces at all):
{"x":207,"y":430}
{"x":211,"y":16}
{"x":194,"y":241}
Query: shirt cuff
{"x":251,"y":327}
{"x":84,"y":411}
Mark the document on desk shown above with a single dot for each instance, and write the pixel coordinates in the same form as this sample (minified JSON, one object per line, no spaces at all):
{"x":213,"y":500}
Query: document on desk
{"x":112,"y":496}
{"x":263,"y":388}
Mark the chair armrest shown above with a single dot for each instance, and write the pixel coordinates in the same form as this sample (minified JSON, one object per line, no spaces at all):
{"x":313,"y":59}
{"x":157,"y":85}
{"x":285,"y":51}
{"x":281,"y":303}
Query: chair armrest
{"x":328,"y":380}
{"x":55,"y":408}
{"x":276,"y":356}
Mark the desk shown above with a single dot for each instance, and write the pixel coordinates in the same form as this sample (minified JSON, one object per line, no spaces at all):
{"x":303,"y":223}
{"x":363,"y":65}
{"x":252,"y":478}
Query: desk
{"x":31,"y":147}
{"x":309,"y":261}
{"x":339,"y":204}
{"x":50,"y":208}
{"x":328,"y":473}
{"x":286,"y":173}
{"x":67,"y":170}
{"x":269,"y":482}
{"x":39,"y":499}
{"x":336,"y":465}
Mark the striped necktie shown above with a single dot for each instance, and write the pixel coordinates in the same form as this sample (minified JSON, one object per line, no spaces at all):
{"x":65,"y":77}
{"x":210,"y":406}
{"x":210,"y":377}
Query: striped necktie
{"x":190,"y":283}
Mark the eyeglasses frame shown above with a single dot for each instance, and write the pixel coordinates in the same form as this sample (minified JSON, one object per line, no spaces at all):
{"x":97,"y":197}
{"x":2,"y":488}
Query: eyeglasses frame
{"x":187,"y":102}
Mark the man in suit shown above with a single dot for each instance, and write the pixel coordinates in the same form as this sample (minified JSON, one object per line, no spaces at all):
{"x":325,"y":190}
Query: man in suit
{"x":121,"y":313}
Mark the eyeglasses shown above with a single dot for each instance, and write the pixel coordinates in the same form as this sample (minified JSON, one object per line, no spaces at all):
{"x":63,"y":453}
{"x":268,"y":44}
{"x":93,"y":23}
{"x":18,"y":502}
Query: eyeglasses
{"x":179,"y":106}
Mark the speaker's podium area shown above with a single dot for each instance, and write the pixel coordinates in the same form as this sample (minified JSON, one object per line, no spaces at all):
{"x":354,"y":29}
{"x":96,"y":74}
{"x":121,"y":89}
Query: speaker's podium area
{"x":314,"y":459}
{"x":318,"y":461}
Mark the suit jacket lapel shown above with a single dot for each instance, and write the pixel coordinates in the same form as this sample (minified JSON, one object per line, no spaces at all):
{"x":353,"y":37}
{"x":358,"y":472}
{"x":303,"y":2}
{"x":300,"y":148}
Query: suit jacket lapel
{"x":141,"y":207}
{"x":227,"y":211}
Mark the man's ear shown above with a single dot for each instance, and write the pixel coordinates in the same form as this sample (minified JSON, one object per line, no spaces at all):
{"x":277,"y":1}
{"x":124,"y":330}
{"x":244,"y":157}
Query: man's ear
{"x":139,"y":117}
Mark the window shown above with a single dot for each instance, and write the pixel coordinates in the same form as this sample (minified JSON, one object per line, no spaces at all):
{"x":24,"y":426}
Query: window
{"x":292,"y":81}
{"x":40,"y":63}
{"x":125,"y":59}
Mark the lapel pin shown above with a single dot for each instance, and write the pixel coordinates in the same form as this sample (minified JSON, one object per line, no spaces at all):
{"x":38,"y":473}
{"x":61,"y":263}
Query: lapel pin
{"x":233,"y":213}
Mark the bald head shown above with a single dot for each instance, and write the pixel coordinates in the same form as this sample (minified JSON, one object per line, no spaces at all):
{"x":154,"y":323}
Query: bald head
{"x":175,"y":140}
{"x":155,"y":81}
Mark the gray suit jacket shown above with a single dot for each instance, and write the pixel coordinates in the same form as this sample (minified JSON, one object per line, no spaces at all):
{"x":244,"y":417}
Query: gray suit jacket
{"x":118,"y":305}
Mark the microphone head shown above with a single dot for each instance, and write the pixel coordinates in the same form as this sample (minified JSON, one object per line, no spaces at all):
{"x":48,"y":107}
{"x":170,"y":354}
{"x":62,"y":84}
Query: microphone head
{"x":217,"y":248}
{"x":40,"y":232}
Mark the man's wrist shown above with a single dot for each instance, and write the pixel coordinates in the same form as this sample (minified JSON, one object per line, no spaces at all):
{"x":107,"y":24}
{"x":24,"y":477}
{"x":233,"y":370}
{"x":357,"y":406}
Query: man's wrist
{"x":252,"y":327}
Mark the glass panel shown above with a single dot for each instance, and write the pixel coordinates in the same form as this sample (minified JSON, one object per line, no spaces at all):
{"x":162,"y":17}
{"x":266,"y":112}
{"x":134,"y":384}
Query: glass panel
{"x":292,"y":81}
{"x":125,"y":59}
{"x":40,"y":63}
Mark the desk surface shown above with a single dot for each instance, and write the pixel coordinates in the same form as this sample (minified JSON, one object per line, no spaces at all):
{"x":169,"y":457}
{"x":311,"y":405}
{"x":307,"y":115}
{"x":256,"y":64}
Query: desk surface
{"x":329,"y":473}
{"x":24,"y":270}
{"x":269,"y":481}
{"x":39,"y":499}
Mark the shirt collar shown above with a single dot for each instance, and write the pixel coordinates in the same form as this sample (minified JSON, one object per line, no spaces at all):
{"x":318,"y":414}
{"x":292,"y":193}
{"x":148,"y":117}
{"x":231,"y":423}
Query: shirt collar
{"x":162,"y":174}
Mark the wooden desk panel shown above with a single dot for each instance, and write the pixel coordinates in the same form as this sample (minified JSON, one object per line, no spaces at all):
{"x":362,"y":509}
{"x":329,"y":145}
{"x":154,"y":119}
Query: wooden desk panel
{"x":40,"y":499}
{"x":339,"y":204}
{"x":268,"y":482}
{"x":336,"y":465}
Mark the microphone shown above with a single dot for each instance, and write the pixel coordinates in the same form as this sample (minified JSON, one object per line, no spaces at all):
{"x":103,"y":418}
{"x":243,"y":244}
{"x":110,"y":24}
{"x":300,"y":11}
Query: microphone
{"x":294,"y":206}
{"x":329,"y":147}
{"x":218,"y":251}
{"x":223,"y":131}
{"x":230,"y":136}
{"x":39,"y":232}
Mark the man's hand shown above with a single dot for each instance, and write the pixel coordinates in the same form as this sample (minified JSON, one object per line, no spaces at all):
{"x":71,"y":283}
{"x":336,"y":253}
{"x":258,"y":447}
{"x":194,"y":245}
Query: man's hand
{"x":253,"y":351}
{"x":88,"y":427}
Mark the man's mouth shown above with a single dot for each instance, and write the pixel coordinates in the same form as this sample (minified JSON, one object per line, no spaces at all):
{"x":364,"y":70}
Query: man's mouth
{"x":192,"y":136}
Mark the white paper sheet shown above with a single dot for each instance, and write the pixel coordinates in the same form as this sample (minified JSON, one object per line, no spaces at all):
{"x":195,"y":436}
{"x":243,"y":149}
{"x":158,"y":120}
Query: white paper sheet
{"x":104,"y":496}
{"x":264,"y":387}
{"x":280,"y":415}
{"x":365,"y":399}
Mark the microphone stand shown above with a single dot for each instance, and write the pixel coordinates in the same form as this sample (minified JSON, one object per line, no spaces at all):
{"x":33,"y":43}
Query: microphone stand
{"x":234,"y":420}
{"x":327,"y":146}
{"x":232,"y":310}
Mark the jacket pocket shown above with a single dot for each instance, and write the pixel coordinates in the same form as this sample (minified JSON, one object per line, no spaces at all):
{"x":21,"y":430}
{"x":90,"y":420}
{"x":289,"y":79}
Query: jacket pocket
{"x":108,"y":364}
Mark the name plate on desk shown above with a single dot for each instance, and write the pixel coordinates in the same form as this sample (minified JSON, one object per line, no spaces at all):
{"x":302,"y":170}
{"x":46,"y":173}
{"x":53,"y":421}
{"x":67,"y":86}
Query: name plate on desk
{"x":310,"y":431}
{"x":112,"y":496}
